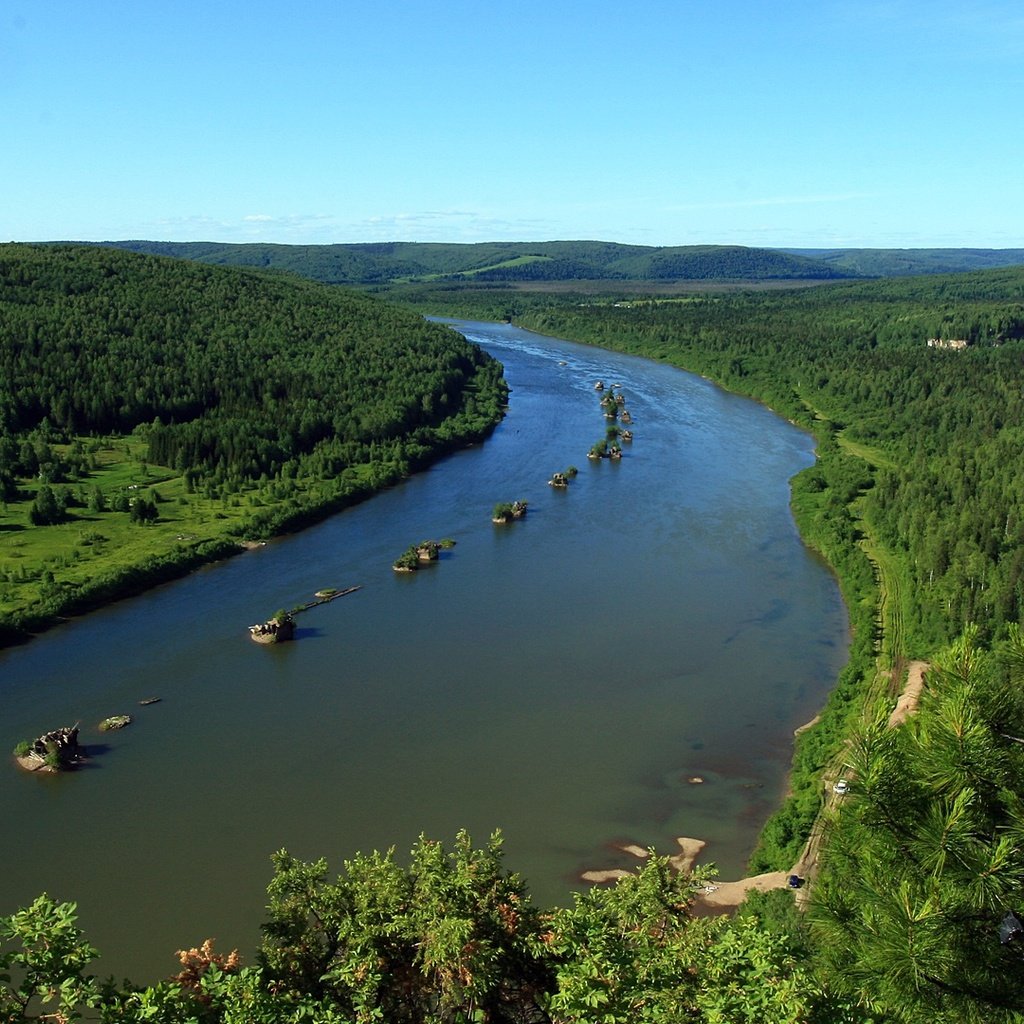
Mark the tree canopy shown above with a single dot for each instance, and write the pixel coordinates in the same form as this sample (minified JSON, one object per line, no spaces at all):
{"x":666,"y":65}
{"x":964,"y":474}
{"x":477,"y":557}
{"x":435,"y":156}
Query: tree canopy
{"x":231,"y":369}
{"x":449,"y":937}
{"x":258,"y":401}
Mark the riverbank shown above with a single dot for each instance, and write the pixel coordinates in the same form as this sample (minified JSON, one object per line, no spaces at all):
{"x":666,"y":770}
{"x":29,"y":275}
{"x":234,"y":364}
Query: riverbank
{"x":718,"y":896}
{"x":96,"y":557}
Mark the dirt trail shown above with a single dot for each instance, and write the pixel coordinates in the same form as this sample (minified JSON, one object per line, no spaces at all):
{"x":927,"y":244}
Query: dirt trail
{"x":721,"y":897}
{"x":910,"y":698}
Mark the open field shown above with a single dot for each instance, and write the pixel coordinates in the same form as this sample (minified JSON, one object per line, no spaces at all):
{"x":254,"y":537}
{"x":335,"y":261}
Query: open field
{"x":42,"y":565}
{"x":36,"y":559}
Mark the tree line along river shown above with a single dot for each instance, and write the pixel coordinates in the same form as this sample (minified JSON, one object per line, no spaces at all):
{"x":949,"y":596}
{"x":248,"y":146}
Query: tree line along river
{"x":562,"y":678}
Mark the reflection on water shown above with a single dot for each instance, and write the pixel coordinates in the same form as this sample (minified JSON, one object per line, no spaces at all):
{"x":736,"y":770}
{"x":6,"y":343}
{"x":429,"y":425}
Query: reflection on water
{"x":561,"y":678}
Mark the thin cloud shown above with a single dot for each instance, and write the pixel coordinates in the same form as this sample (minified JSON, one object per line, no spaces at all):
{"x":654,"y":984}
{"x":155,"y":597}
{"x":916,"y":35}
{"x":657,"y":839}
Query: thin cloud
{"x":248,"y":228}
{"x":289,"y":221}
{"x":454,"y":225}
{"x":446,"y":225}
{"x":742,"y":204}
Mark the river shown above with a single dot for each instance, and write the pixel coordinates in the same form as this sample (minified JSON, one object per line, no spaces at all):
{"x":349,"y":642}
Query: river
{"x":562,"y":678}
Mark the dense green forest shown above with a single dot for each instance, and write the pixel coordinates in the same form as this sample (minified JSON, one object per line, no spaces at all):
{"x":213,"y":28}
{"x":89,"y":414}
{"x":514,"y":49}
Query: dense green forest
{"x":378,"y":263}
{"x":127,"y":381}
{"x":908,"y":262}
{"x":384,"y":262}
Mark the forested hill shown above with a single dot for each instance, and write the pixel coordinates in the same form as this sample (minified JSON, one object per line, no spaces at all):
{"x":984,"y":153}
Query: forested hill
{"x":909,"y":262}
{"x":238,"y":370}
{"x":379,"y":263}
{"x":385,"y":262}
{"x":207,"y":404}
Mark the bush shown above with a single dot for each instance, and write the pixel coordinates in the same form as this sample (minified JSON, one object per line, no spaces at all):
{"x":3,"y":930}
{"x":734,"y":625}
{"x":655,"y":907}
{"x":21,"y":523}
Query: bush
{"x":409,"y":559}
{"x":47,"y":508}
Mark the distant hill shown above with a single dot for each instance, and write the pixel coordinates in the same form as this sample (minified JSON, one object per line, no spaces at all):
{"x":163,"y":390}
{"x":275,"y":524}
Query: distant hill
{"x":382,"y":263}
{"x":387,"y":262}
{"x":907,"y":262}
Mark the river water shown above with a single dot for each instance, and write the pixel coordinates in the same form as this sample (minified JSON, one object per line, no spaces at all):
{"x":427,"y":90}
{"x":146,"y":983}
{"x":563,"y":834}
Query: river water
{"x":561,"y":678}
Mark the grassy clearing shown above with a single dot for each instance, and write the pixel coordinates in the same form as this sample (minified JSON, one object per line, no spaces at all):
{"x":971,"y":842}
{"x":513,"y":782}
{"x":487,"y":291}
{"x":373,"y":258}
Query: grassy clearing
{"x":517,"y":261}
{"x":874,"y":456}
{"x":40,"y":565}
{"x":34,"y":559}
{"x":891,"y":576}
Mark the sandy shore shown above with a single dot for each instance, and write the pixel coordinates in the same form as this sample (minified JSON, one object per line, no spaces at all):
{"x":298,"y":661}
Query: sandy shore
{"x":683,"y":862}
{"x":600,"y":877}
{"x":717,"y":897}
{"x":636,"y":850}
{"x":689,"y":851}
{"x":722,"y":897}
{"x":807,"y":725}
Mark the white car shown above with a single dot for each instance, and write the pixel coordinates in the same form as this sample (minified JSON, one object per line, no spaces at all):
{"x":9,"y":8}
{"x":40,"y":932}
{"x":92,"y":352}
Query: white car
{"x":841,"y":788}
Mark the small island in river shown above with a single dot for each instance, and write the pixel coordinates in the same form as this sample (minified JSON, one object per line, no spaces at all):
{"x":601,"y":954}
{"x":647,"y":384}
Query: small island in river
{"x":423,"y":553}
{"x":282,"y":626}
{"x":115,"y":722}
{"x":562,"y":479}
{"x":52,"y":752}
{"x":507,"y":511}
{"x":275,"y":630}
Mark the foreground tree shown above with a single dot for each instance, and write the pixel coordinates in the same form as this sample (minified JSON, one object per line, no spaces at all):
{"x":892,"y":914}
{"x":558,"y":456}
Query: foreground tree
{"x":626,"y":953}
{"x":453,"y":937}
{"x":926,"y":856}
{"x":42,"y":958}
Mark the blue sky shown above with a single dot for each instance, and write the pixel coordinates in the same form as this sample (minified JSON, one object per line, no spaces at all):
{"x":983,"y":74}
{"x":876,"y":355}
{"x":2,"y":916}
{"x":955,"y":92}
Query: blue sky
{"x":820,"y":124}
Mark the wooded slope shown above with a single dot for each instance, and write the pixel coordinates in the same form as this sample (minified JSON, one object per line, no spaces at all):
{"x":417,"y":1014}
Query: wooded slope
{"x":376,"y":263}
{"x":236,"y":370}
{"x":205,"y":404}
{"x":909,"y":262}
{"x":383,"y":262}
